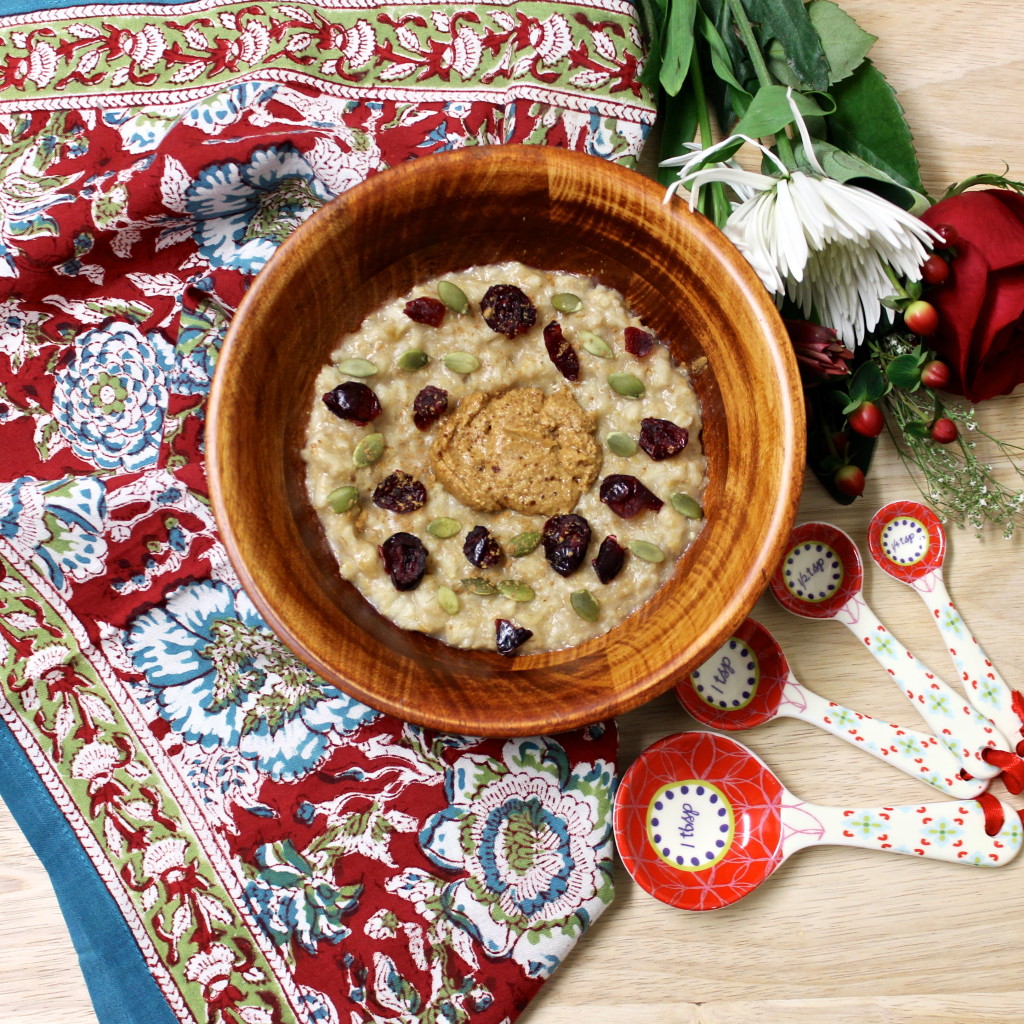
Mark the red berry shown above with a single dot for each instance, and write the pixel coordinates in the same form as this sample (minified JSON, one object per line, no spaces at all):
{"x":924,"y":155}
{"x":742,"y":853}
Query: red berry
{"x":944,"y":431}
{"x":948,"y":234}
{"x":921,"y":317}
{"x":849,"y":480}
{"x":935,"y":374}
{"x":934,"y":270}
{"x":867,"y":419}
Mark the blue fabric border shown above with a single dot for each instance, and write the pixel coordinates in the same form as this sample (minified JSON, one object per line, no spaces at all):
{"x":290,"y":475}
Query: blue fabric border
{"x":120,"y":984}
{"x":31,"y":6}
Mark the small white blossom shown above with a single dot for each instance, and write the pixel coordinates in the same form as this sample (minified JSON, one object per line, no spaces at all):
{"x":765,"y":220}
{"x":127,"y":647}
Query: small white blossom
{"x":822,"y":243}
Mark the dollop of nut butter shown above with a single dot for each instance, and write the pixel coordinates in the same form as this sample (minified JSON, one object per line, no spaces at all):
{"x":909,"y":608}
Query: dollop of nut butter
{"x":522,"y":449}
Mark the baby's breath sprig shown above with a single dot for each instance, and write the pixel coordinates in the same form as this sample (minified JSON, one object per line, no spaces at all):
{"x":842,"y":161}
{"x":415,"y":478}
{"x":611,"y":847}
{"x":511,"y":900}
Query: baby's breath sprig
{"x":952,"y":473}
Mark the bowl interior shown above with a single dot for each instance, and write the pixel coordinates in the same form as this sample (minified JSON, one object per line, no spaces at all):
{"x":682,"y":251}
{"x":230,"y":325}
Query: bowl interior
{"x":554,"y":210}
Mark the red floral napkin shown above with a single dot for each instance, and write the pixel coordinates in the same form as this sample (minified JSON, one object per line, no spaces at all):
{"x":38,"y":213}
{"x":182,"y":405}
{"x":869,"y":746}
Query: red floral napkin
{"x":243,"y":841}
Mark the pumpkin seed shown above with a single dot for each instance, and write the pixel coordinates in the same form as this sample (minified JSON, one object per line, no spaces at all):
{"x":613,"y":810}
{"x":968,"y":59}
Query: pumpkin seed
{"x":621,"y":444}
{"x":647,"y":551}
{"x":516,"y":590}
{"x":357,"y":368}
{"x":414,"y":359}
{"x":522,"y":544}
{"x":595,"y":345}
{"x":341,"y":499}
{"x":369,"y":450}
{"x":448,"y":600}
{"x":443,"y":528}
{"x":566,"y":302}
{"x":479,"y":585}
{"x":626,"y":384}
{"x":461,"y":362}
{"x":686,"y":506}
{"x":585,"y":605}
{"x":452,"y":296}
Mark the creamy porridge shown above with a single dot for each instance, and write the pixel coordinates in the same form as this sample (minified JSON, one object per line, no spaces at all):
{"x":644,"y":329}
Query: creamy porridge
{"x":458,"y":468}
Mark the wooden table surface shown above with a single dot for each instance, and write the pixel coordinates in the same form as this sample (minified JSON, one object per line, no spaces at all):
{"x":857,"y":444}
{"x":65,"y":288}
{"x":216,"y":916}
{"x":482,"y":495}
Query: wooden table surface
{"x":838,"y":935}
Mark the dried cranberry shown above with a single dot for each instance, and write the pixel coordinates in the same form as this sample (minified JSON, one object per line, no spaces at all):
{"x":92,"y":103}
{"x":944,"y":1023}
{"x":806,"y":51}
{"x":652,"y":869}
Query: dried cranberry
{"x":507,"y":310}
{"x":481,"y":548}
{"x":626,"y":496}
{"x":353,"y":401}
{"x":509,"y":636}
{"x":428,"y":406}
{"x":562,"y":354}
{"x":425,"y":310}
{"x":662,"y":439}
{"x":639,"y":343}
{"x":400,"y":492}
{"x":566,"y":539}
{"x":405,"y":559}
{"x":611,"y":556}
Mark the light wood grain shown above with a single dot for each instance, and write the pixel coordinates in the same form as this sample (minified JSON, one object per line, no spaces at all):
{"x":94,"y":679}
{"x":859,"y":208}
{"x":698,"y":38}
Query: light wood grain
{"x":842,"y":936}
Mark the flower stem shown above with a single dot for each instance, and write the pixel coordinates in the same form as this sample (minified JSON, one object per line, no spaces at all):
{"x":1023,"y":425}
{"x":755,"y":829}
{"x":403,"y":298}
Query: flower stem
{"x":720,"y":208}
{"x":764,"y":76}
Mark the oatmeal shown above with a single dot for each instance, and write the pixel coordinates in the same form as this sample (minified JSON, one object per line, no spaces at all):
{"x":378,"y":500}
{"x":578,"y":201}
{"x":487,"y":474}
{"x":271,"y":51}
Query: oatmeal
{"x":517,"y":467}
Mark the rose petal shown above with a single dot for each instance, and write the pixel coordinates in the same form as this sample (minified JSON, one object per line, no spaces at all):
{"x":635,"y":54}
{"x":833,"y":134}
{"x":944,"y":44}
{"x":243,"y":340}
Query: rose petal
{"x":992,"y":219}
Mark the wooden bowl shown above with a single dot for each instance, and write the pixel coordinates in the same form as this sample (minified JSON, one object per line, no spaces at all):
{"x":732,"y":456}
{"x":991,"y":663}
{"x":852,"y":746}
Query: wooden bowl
{"x":555,"y":210}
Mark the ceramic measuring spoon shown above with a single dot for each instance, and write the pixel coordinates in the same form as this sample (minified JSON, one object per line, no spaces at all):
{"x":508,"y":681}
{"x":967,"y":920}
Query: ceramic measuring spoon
{"x":821,"y":577}
{"x":748,"y":682}
{"x":700,"y":822}
{"x":908,"y":541}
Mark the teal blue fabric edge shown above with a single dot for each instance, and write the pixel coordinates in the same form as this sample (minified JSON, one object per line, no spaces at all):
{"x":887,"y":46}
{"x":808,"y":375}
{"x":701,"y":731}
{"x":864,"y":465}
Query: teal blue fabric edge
{"x":8,"y":7}
{"x":120,"y":984}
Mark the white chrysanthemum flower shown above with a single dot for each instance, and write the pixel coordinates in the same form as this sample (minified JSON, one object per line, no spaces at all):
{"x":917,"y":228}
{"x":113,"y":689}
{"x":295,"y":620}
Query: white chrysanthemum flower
{"x":822,"y":243}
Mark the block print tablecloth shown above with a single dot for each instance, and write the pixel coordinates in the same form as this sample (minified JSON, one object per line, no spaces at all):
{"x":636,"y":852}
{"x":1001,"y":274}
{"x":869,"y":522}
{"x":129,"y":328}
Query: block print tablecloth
{"x":231,"y":838}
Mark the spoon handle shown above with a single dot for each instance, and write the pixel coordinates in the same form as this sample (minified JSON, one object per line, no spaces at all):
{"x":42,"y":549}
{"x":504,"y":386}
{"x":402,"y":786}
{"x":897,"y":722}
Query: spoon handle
{"x":917,"y":754}
{"x":986,"y":689}
{"x":952,"y":831}
{"x":955,"y":723}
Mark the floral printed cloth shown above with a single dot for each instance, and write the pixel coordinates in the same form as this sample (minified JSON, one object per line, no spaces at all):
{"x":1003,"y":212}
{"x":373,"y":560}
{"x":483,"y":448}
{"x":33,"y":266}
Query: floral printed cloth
{"x":245,"y":842}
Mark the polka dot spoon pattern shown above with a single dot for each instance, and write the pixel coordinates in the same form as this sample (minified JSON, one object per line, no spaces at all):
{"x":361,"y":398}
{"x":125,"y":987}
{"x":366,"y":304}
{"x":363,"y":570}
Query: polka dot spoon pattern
{"x":700,"y":822}
{"x":821,"y":577}
{"x":908,"y":541}
{"x":748,"y":682}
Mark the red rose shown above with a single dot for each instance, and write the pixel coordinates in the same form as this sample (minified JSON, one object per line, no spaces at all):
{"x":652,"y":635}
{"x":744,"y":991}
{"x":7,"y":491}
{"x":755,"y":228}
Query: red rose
{"x":981,"y":305}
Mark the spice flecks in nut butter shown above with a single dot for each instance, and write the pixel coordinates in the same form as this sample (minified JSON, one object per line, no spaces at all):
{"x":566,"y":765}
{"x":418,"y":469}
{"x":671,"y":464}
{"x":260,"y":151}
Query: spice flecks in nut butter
{"x":521,"y":449}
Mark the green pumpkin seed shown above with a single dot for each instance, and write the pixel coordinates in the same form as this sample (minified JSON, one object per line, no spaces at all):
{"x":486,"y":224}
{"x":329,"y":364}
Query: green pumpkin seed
{"x":414,"y":359}
{"x":647,"y":551}
{"x":585,"y":605}
{"x":515,"y":590}
{"x":341,"y":499}
{"x":444,"y":528}
{"x":461,"y":362}
{"x":452,"y":296}
{"x":357,"y":368}
{"x":523,"y":544}
{"x":626,"y":384}
{"x":621,"y":444}
{"x":369,"y":450}
{"x":595,"y":345}
{"x":566,"y":302}
{"x":448,"y":600}
{"x":479,"y":585}
{"x":686,"y":506}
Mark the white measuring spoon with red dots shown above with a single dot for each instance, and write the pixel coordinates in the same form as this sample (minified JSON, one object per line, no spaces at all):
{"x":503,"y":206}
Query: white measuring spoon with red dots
{"x":908,"y":541}
{"x":821,"y":577}
{"x":700,"y":822}
{"x":748,"y":682}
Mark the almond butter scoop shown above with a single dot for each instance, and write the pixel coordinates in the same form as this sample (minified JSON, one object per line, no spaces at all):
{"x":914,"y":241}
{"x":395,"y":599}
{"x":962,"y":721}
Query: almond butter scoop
{"x":521,"y":449}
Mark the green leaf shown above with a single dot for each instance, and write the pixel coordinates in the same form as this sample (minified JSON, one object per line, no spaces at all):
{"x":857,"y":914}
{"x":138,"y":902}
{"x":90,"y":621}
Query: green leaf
{"x":904,"y":372}
{"x":652,"y":25}
{"x":916,"y":428}
{"x":869,"y":122}
{"x":869,"y":382}
{"x":788,"y":22}
{"x":852,"y":170}
{"x":677,"y":44}
{"x":770,"y":111}
{"x":721,"y":62}
{"x":678,"y":123}
{"x":845,"y":43}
